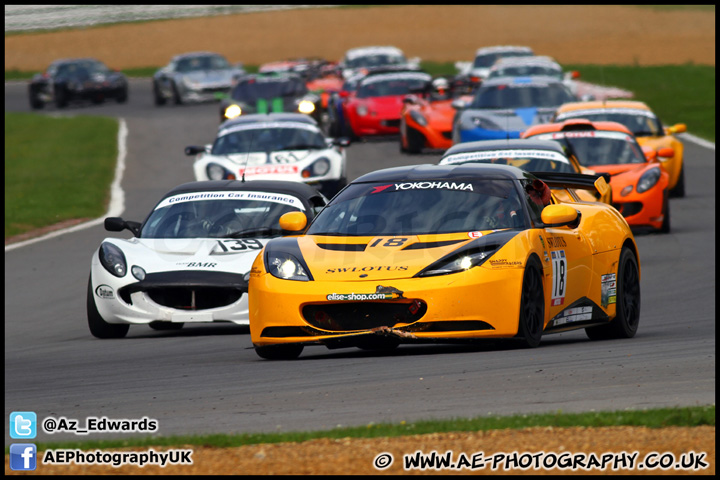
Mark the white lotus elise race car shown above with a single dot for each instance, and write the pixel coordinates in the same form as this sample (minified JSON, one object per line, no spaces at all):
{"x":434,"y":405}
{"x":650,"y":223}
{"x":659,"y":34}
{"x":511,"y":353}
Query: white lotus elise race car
{"x":190,"y":260}
{"x":275,"y":146}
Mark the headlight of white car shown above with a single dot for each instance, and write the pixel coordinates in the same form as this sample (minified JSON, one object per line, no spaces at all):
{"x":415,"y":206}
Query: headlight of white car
{"x":138,"y":272}
{"x":113,"y":259}
{"x":318,"y":168}
{"x":216,"y":172}
{"x":191,"y":84}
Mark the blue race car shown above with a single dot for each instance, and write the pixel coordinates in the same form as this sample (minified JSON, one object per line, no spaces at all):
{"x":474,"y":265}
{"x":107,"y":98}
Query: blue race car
{"x":504,"y":107}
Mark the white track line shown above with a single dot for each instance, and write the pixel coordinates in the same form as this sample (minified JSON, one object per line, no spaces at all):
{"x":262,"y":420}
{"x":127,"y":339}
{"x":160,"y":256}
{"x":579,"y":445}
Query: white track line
{"x":697,"y":140}
{"x":117,"y":196}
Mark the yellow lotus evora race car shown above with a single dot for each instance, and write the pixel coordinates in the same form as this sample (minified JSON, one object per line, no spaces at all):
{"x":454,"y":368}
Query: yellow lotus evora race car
{"x":445,"y":253}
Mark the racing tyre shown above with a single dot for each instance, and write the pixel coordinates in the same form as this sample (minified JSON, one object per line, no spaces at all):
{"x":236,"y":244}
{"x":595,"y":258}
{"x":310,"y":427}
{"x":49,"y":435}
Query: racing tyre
{"x":164,"y":326}
{"x":348,"y":132}
{"x":279,"y":352}
{"x":665,"y":227}
{"x":627,"y":317}
{"x":61,"y":97}
{"x":176,"y":95}
{"x":122,"y":96}
{"x":157,"y":96}
{"x":532,"y":305}
{"x":99,"y":327}
{"x":35,"y":102}
{"x":678,"y":190}
{"x":415,"y":141}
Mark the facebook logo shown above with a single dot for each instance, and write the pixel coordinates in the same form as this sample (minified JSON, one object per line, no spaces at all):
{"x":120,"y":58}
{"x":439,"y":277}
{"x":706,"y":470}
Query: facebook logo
{"x":23,"y":456}
{"x":23,"y":425}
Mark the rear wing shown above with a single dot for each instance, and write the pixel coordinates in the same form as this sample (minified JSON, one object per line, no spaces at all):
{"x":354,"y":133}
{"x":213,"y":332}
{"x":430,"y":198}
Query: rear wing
{"x":596,"y":184}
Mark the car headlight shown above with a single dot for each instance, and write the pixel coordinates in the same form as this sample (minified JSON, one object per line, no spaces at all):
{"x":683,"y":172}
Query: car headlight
{"x":190,"y":84}
{"x":233,"y":111}
{"x":113,"y":259}
{"x":306,"y":106}
{"x":285,"y":266}
{"x":482,"y":122}
{"x":418,"y":117}
{"x":362,"y":110}
{"x":648,"y":180}
{"x":138,"y":272}
{"x":458,"y":263}
{"x":218,"y":172}
{"x":318,"y":168}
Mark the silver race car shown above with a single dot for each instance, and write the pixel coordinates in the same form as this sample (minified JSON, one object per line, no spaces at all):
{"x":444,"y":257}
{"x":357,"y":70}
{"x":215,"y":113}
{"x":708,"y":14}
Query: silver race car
{"x":198,"y":76}
{"x":274,"y":146}
{"x":190,"y":260}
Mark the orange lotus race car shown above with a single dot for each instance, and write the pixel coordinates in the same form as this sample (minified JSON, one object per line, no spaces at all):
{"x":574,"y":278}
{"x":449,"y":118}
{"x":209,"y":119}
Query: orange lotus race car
{"x":426,"y":118}
{"x":422,"y":254}
{"x":644,"y":124}
{"x":639,"y":185}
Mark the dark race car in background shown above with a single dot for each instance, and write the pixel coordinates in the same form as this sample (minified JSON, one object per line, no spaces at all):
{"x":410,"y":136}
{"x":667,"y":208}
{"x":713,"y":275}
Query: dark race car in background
{"x":196,"y":76}
{"x":270,"y":93}
{"x":77,"y":79}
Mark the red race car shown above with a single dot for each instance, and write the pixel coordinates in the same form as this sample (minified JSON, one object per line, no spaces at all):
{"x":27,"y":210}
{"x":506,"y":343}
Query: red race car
{"x":375,"y":107}
{"x":639,"y":185}
{"x":426,"y":119}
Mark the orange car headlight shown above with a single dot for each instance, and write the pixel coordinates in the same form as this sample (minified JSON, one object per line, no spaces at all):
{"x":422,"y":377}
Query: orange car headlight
{"x":418,"y":117}
{"x":648,"y":180}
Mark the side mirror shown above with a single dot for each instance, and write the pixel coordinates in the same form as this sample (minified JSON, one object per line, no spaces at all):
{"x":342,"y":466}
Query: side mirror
{"x":341,"y":142}
{"x":560,"y":216}
{"x":650,"y":153}
{"x":343,"y":94}
{"x":678,"y":128}
{"x":117,"y":224}
{"x":194,"y":150}
{"x":114,"y":224}
{"x":293,"y":221}
{"x":409,"y":99}
{"x":666,"y":152}
{"x":458,"y":104}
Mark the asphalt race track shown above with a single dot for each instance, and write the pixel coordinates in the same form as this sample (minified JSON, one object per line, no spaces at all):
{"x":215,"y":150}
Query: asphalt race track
{"x":208,"y":379}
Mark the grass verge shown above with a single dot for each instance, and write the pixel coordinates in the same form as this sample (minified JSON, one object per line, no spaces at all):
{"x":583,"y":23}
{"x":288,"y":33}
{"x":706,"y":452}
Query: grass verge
{"x":677,"y":94}
{"x":56,"y":169}
{"x":652,"y":418}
